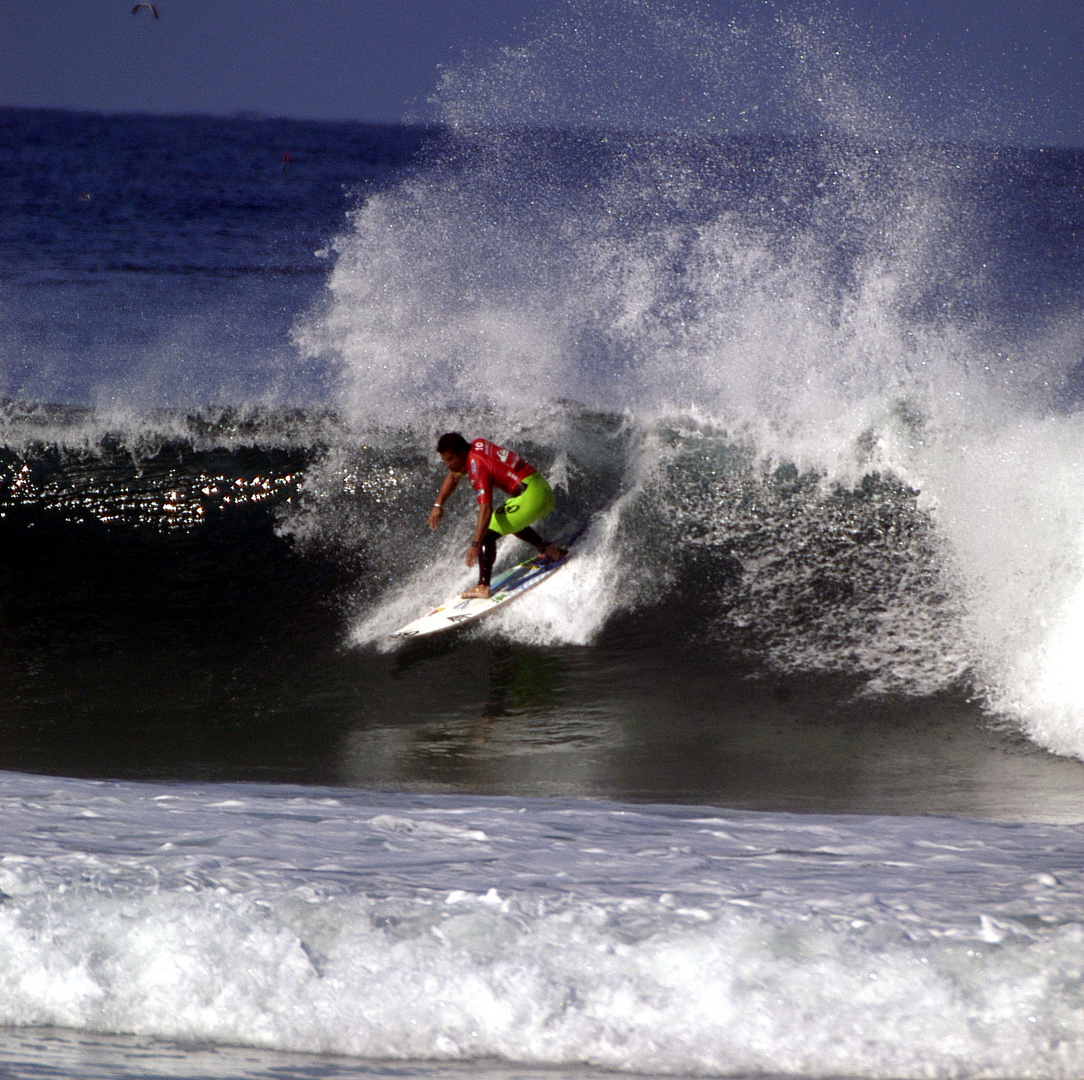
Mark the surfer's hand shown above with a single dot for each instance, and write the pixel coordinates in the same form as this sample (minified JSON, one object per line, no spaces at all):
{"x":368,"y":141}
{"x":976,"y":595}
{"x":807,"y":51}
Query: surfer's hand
{"x":472,"y":555}
{"x":435,"y":514}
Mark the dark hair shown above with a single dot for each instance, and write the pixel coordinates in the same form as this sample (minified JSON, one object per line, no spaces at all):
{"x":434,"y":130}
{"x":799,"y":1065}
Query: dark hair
{"x":452,"y":440}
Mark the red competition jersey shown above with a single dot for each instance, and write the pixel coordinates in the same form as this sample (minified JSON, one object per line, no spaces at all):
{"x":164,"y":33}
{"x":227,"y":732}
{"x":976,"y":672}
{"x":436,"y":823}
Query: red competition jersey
{"x":490,"y":465}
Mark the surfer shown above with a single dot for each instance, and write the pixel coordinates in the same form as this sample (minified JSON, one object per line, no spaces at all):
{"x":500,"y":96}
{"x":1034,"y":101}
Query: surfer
{"x":529,"y":498}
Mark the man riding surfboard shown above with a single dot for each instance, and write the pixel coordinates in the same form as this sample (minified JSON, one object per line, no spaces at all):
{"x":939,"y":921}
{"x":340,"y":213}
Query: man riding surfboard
{"x":529,"y":498}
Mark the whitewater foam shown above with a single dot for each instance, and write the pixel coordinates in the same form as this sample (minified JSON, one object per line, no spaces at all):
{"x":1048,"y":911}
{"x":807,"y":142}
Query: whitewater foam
{"x":639,"y":939}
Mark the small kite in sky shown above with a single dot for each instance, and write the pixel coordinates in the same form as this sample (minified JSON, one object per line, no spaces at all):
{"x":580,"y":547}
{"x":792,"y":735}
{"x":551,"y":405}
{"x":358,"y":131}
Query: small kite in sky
{"x":150,"y":7}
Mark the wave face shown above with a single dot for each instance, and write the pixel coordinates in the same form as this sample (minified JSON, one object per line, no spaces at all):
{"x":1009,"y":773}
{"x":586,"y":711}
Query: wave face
{"x":650,"y":940}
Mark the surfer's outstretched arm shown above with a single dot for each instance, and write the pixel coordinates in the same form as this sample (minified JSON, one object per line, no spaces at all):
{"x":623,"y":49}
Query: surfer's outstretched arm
{"x":436,"y":511}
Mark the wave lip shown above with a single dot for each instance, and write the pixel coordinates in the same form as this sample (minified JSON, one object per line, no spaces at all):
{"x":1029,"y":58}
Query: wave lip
{"x":673,"y":940}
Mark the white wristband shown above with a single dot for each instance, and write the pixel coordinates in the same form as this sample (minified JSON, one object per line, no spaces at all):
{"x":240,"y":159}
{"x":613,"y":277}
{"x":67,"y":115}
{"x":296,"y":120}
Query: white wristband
{"x":438,"y":506}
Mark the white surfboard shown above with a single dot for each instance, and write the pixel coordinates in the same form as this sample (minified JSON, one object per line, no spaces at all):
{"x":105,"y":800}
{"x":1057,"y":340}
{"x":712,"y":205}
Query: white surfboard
{"x":505,"y":588}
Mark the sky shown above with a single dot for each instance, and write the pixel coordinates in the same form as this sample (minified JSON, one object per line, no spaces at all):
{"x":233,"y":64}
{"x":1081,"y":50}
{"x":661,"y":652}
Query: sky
{"x":379,"y":60}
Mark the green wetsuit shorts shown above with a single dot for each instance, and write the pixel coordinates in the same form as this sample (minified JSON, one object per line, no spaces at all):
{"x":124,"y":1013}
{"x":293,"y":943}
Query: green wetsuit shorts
{"x":522,"y":510}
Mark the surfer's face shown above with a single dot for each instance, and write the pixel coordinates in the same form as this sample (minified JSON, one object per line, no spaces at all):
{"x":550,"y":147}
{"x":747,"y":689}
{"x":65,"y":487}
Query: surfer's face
{"x":456,"y":463}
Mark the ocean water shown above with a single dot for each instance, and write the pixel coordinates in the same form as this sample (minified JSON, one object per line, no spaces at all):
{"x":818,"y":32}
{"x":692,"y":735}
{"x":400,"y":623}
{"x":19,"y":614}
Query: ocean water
{"x":782,"y":775}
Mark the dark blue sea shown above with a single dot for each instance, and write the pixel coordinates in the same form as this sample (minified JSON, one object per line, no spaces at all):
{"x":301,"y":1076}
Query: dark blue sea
{"x":782,"y":775}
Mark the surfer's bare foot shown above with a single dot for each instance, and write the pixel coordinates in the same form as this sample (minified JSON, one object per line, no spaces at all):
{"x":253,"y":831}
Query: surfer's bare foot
{"x":553,"y":553}
{"x":479,"y":592}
